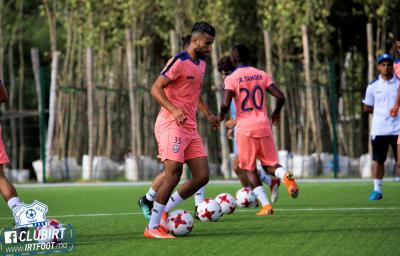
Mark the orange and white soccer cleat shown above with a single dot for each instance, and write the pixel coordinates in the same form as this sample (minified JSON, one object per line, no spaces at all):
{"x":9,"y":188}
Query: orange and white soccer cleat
{"x":266,"y":210}
{"x":291,"y":185}
{"x":157,"y":233}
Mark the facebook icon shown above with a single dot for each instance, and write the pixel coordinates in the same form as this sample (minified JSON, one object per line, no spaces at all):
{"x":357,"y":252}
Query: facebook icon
{"x":10,"y":237}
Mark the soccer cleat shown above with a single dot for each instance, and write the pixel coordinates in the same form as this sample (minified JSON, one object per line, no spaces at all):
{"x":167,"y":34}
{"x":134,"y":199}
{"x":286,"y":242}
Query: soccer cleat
{"x":196,"y":214}
{"x":274,"y":188}
{"x":156,"y":233}
{"x":375,"y":195}
{"x":266,"y":210}
{"x":291,"y":185}
{"x":146,"y":207}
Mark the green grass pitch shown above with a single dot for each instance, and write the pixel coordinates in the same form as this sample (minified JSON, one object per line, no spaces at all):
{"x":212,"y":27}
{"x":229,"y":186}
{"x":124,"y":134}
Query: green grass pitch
{"x":326,"y":219}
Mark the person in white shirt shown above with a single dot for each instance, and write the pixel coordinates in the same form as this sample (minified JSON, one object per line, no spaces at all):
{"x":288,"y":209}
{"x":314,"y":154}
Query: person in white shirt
{"x":379,"y":99}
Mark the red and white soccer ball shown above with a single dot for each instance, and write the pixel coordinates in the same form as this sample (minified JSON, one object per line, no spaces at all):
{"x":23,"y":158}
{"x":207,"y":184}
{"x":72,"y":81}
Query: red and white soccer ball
{"x":209,"y":210}
{"x":227,"y":203}
{"x":180,"y":223}
{"x":245,"y":197}
{"x":49,"y":229}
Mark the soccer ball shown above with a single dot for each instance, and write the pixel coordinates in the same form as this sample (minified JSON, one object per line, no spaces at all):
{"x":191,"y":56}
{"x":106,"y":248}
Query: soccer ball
{"x":245,"y":197}
{"x":180,"y":223}
{"x":209,"y":210}
{"x":227,"y":203}
{"x":47,"y":234}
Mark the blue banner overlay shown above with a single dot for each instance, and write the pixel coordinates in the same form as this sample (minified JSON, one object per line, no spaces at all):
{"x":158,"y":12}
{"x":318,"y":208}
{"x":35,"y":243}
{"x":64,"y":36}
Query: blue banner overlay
{"x":37,"y":240}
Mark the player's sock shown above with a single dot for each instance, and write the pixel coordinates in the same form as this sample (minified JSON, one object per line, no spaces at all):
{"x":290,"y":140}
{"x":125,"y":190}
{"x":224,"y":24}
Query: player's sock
{"x":199,"y":196}
{"x":13,"y":202}
{"x":156,"y":214}
{"x":264,"y":177}
{"x":260,"y":193}
{"x":151,"y":194}
{"x":173,"y":201}
{"x":280,"y":172}
{"x":378,"y":185}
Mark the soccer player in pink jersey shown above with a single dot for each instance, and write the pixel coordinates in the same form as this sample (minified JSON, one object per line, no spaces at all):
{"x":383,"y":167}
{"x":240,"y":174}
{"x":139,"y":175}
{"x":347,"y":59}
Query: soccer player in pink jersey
{"x":146,"y":202}
{"x":247,"y":86}
{"x":225,"y":67}
{"x":6,"y":188}
{"x":178,"y":90}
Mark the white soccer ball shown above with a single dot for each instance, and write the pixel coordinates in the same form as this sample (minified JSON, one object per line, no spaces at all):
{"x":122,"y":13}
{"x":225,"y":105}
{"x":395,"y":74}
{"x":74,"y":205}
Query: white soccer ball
{"x":209,"y":210}
{"x":227,"y":203}
{"x":245,"y":197}
{"x":49,"y":233}
{"x":180,"y":223}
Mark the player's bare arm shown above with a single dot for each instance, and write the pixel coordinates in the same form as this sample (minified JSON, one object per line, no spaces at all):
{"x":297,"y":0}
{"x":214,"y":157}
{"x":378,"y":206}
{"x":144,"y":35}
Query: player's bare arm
{"x":157,"y":91}
{"x":212,"y":119}
{"x":368,"y":109}
{"x":3,"y":93}
{"x":395,"y":110}
{"x":278,"y":94}
{"x":224,"y":109}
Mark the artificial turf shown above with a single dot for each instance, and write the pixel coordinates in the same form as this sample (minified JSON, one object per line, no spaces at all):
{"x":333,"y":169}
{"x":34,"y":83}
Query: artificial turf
{"x":326,"y":219}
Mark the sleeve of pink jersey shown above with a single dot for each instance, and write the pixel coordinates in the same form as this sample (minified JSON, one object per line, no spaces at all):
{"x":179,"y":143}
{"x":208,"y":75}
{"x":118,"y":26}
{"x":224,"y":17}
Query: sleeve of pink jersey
{"x":396,"y":67}
{"x":268,"y":80}
{"x":172,"y":69}
{"x":229,"y":84}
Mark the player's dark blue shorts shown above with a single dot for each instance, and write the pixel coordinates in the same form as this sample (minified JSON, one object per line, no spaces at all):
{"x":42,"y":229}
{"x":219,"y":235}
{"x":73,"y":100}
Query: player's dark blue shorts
{"x":380,"y":146}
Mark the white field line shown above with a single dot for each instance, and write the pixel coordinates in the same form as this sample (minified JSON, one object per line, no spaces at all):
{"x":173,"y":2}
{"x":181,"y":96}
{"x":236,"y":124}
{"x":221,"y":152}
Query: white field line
{"x":148,"y":183}
{"x":247,"y":210}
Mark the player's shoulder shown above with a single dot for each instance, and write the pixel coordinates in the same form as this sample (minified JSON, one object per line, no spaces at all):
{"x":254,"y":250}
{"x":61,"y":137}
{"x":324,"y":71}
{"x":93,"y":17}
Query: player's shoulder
{"x":374,"y":81}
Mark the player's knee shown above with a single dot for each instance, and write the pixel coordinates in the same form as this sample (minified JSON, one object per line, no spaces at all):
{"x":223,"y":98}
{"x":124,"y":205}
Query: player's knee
{"x":173,"y":178}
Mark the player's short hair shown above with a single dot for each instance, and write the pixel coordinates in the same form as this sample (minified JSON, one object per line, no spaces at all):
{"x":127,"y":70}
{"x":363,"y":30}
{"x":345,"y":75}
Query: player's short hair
{"x":398,"y":36}
{"x":203,"y":27}
{"x":225,"y":65}
{"x":240,"y":53}
{"x":186,"y":40}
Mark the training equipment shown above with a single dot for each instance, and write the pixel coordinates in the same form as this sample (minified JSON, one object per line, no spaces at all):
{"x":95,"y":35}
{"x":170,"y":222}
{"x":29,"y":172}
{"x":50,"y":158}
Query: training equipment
{"x":245,"y":197}
{"x":48,"y":233}
{"x":209,"y":210}
{"x":227,"y":203}
{"x":180,"y":223}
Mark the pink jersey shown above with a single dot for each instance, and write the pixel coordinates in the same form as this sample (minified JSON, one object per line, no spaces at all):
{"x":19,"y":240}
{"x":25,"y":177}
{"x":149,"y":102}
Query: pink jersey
{"x":249,"y":84}
{"x":184,"y":91}
{"x":396,"y":67}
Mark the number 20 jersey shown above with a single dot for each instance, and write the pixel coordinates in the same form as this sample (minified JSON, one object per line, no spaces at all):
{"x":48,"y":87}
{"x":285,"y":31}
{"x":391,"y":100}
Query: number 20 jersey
{"x":249,"y":85}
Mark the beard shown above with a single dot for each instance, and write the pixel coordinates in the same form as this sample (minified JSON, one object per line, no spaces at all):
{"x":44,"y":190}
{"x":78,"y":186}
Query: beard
{"x":200,"y":55}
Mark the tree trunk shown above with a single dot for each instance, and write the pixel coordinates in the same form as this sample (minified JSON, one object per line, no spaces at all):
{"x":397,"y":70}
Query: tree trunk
{"x":89,"y":80}
{"x":173,"y":42}
{"x":52,"y":110}
{"x":20,"y":104}
{"x":268,"y":61}
{"x":309,"y":93}
{"x":132,"y":104}
{"x":222,"y":131}
{"x":370,"y":70}
{"x":11,"y":106}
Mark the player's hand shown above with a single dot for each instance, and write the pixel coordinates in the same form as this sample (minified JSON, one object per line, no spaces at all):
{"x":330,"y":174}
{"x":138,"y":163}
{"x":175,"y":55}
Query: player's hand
{"x":179,"y":116}
{"x":394,"y":111}
{"x":214,"y":121}
{"x":230,"y":124}
{"x":230,"y":133}
{"x":276,"y":118}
